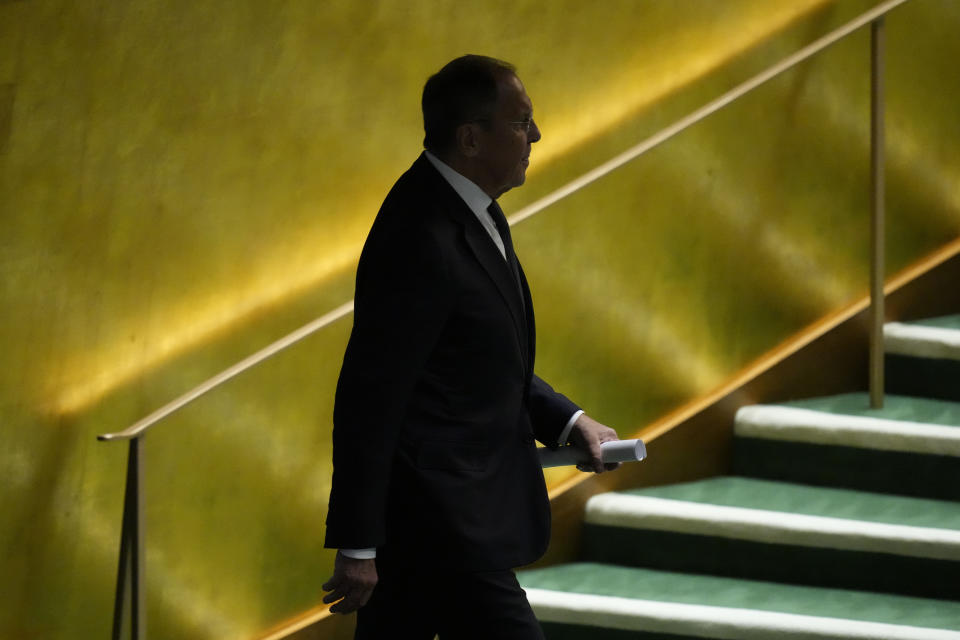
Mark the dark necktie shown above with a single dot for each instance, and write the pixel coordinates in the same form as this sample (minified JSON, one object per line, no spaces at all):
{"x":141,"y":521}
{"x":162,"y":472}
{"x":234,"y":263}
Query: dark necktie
{"x":504,"y":229}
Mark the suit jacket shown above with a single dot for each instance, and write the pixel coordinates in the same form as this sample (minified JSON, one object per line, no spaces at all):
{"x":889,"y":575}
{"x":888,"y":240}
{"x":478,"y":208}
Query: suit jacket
{"x":437,"y":405}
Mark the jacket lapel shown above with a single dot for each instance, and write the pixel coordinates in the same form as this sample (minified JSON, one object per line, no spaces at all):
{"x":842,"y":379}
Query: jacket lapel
{"x":499,"y":271}
{"x":531,"y":324}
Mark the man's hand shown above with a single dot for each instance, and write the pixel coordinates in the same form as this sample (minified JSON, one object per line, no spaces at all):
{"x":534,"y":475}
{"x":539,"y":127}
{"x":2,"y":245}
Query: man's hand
{"x":352,"y":583}
{"x":587,"y":434}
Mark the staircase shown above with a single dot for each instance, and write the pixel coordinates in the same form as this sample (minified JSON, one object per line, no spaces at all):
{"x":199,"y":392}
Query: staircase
{"x":838,"y":521}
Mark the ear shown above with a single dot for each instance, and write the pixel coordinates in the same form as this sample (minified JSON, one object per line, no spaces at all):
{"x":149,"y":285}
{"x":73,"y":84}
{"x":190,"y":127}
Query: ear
{"x":468,"y":140}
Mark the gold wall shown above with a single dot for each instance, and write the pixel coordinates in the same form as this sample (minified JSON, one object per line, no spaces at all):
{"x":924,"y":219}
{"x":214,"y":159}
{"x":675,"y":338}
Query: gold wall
{"x":183,"y":182}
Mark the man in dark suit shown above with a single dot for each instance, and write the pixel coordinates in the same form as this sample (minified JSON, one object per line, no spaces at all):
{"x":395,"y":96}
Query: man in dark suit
{"x":437,"y":490}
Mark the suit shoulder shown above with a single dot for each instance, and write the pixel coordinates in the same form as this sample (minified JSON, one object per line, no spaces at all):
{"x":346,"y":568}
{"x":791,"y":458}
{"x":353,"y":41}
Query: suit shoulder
{"x":417,"y":204}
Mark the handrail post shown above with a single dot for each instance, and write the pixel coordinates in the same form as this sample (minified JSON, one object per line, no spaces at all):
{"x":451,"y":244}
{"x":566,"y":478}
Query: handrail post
{"x":877,"y":211}
{"x":131,"y":565}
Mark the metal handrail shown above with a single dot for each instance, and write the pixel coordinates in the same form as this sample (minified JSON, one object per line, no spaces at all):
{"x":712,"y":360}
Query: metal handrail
{"x":130,"y":597}
{"x":140,"y":427}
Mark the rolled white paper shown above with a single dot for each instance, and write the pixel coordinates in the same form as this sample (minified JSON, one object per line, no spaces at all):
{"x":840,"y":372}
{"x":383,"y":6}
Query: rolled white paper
{"x":613,"y":451}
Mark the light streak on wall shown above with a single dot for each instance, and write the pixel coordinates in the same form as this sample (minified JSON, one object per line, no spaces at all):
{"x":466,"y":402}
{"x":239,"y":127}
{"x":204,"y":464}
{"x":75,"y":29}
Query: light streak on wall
{"x":197,"y":322}
{"x":643,"y":85}
{"x":658,"y":340}
{"x":794,"y":270}
{"x":168,"y":597}
{"x":907,"y":146}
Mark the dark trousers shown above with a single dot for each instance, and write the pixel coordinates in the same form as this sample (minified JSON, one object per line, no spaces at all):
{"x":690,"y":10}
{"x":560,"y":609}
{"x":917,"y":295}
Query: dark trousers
{"x":421,"y":604}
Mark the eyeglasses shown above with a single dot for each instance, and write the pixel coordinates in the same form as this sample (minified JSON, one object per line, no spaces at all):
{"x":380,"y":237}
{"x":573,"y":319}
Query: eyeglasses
{"x":523,"y":125}
{"x":520,"y":125}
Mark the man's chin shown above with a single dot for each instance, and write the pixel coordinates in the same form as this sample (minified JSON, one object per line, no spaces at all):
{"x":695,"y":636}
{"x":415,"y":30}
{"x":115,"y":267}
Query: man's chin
{"x":518,"y":180}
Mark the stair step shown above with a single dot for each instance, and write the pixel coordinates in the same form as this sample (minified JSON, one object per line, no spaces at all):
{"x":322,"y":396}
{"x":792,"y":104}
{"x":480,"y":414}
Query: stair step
{"x":931,"y":338}
{"x":923,"y":358}
{"x":585,"y":600}
{"x":917,"y":425}
{"x":911,"y":446}
{"x":780,"y":531}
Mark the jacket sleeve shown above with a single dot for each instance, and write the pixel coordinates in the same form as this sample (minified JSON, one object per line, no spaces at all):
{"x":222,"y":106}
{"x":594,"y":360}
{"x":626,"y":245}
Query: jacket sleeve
{"x":401,"y":305}
{"x":549,"y":412}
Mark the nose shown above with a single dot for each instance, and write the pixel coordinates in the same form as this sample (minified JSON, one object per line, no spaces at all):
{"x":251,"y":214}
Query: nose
{"x":534,"y":133}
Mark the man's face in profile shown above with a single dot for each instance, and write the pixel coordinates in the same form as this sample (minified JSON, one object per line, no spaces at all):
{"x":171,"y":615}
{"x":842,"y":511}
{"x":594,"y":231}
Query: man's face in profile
{"x":505,"y":143}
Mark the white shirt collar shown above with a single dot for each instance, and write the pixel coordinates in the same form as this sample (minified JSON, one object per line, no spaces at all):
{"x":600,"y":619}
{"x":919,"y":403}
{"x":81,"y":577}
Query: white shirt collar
{"x":474,"y":196}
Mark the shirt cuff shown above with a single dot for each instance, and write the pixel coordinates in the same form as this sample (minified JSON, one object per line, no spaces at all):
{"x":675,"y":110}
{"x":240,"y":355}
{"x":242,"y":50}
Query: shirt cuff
{"x":565,"y":434}
{"x":360,"y":554}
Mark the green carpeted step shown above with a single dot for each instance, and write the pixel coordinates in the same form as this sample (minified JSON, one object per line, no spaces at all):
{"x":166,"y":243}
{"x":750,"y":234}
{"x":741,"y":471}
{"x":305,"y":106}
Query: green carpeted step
{"x":795,"y":499}
{"x":923,"y":358}
{"x":916,"y":425}
{"x":596,"y":598}
{"x":911,"y":446}
{"x":781,"y":531}
{"x":895,"y":408}
{"x":943,"y":322}
{"x":931,"y":338}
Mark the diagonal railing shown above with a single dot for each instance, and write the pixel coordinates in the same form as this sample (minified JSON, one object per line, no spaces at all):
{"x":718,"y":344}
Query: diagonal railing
{"x":130,"y":603}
